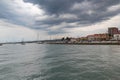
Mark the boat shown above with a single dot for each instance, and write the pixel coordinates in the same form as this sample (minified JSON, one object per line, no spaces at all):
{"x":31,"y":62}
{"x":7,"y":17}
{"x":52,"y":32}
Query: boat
{"x":22,"y":42}
{"x":1,"y":44}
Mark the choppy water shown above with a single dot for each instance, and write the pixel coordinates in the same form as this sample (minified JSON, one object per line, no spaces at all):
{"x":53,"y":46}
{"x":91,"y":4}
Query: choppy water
{"x":59,"y":62}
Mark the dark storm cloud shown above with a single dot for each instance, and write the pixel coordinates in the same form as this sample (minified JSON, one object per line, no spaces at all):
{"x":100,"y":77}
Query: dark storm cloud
{"x":55,"y":6}
{"x":63,"y":6}
{"x":59,"y":7}
{"x":82,"y":12}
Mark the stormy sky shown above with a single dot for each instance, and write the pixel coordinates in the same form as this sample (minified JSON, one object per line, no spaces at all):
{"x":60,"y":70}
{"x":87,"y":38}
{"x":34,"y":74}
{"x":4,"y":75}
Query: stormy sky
{"x":25,"y":19}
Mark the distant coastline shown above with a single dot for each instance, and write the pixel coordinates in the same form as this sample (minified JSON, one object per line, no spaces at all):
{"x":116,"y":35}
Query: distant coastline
{"x":112,"y":37}
{"x":68,"y":43}
{"x":83,"y":43}
{"x":87,"y":43}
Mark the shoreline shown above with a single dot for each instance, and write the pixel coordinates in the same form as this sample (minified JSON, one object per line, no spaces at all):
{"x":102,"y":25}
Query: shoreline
{"x":84,"y":43}
{"x":68,"y":43}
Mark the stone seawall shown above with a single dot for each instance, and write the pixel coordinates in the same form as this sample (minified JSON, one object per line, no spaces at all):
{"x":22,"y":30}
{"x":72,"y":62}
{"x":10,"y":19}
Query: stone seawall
{"x":87,"y":43}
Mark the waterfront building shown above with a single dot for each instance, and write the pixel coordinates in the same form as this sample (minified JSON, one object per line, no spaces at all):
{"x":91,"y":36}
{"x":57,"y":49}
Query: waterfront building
{"x":101,"y":37}
{"x":84,"y":39}
{"x":90,"y":37}
{"x":116,"y":37}
{"x":73,"y":40}
{"x":112,"y":31}
{"x":78,"y":39}
{"x":105,"y":36}
{"x":97,"y":37}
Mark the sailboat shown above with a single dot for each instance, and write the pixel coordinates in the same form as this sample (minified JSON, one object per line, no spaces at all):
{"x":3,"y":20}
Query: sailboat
{"x":1,"y":44}
{"x":22,"y":42}
{"x":38,"y":41}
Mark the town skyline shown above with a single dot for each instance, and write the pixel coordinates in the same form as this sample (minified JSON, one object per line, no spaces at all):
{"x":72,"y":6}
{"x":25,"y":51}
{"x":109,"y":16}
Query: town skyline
{"x":112,"y":34}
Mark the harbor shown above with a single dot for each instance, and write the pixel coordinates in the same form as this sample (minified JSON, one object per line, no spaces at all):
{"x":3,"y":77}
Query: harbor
{"x":112,"y":37}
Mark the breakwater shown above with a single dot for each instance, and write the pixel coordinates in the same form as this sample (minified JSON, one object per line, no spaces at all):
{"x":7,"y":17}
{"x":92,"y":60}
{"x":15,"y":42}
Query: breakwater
{"x":86,"y":43}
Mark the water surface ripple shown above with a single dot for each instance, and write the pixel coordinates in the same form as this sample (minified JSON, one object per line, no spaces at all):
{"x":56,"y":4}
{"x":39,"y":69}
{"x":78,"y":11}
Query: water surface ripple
{"x":59,"y":62}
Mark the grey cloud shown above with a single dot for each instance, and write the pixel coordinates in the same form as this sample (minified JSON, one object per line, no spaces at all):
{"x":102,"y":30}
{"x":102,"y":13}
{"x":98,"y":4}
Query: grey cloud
{"x":55,"y":6}
{"x":89,"y":12}
{"x":59,"y":7}
{"x":63,"y":6}
{"x":8,"y":14}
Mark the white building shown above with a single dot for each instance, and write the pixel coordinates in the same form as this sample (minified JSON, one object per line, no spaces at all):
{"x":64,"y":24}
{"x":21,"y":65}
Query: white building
{"x":73,"y":40}
{"x":116,"y":37}
{"x":91,"y":37}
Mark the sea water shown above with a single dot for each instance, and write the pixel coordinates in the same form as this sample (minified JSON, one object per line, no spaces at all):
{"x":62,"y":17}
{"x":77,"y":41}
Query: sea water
{"x":59,"y":62}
